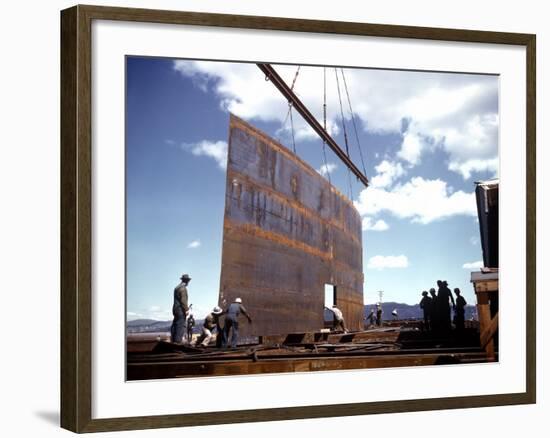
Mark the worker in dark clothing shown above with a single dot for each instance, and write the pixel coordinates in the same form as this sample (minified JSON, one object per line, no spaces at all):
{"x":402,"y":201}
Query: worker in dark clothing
{"x":426,"y":306}
{"x":378,"y":315}
{"x":443,"y":307}
{"x":434,"y":317}
{"x":179,"y":310}
{"x":232,"y":322}
{"x":459,"y":310}
{"x":339,"y":322}
{"x":210,"y":323}
{"x":371,"y":318}
{"x":190,"y":325}
{"x":219,"y":330}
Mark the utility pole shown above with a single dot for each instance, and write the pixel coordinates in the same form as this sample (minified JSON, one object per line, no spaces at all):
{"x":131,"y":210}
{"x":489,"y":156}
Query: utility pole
{"x":380,"y":296}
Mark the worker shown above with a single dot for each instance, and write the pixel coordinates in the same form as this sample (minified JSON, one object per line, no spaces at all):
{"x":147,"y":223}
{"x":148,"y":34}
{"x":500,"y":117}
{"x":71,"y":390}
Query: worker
{"x":371,"y":317}
{"x":434,"y":318}
{"x":459,"y":310}
{"x":219,"y":329}
{"x":232,"y":322}
{"x":339,"y":322}
{"x":394,"y":314}
{"x":379,"y":314}
{"x":444,"y":309}
{"x":209,"y":324}
{"x":426,"y":305}
{"x":190,"y":325}
{"x":179,"y":310}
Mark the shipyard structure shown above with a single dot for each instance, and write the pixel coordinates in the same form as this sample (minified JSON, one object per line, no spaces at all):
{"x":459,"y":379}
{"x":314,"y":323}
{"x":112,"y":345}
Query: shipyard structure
{"x":287,"y":234}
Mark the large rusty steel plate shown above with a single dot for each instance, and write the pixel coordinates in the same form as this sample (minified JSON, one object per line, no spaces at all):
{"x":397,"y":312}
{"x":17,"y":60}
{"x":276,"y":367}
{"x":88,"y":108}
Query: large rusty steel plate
{"x":287,"y":232}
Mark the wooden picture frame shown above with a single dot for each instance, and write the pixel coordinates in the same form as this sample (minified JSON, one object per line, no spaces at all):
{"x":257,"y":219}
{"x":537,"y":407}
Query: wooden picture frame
{"x":76,"y":217}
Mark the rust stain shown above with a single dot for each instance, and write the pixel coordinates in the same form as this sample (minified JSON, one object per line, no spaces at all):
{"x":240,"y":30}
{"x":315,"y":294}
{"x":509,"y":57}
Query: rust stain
{"x":258,"y":232}
{"x":239,"y":179}
{"x":236,"y":122}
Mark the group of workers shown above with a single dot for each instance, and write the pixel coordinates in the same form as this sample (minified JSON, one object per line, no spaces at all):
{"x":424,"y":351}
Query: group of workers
{"x":437,"y":308}
{"x":374,"y":317}
{"x":183,"y":319}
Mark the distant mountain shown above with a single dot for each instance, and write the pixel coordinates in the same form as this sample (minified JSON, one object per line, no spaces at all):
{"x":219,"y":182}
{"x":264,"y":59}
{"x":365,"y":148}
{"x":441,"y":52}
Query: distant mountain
{"x":152,"y":326}
{"x":140,"y":322}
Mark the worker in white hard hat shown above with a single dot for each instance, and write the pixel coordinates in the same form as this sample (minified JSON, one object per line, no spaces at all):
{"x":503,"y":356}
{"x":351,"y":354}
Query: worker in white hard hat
{"x":210,"y":323}
{"x":339,"y":322}
{"x":232,"y":322}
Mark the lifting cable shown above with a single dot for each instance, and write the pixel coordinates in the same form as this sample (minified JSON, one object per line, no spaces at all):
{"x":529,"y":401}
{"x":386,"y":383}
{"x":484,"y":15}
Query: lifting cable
{"x":292,"y":128}
{"x":325,"y":122}
{"x":345,"y":132}
{"x":353,"y":121}
{"x":289,"y":112}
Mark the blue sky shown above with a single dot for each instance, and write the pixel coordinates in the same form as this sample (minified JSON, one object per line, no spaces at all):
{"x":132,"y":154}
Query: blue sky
{"x":425,"y":138}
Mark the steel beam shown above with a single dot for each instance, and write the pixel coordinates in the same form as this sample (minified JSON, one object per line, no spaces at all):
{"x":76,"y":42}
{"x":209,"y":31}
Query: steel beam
{"x":274,"y":77}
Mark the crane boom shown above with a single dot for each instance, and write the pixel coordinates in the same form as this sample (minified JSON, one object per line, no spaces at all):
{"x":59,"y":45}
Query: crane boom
{"x":285,"y":90}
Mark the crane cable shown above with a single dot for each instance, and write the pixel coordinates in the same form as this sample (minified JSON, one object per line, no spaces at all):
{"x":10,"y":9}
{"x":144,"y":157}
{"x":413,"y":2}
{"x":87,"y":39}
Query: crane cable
{"x":325,"y":122}
{"x":353,"y":121}
{"x":292,"y":129}
{"x":289,"y":112}
{"x":345,"y":131}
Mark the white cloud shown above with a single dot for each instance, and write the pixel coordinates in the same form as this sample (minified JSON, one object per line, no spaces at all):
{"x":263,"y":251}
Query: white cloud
{"x":194,"y":244}
{"x":419,"y":200}
{"x":388,"y":172}
{"x":455,"y":112}
{"x":369,"y":224}
{"x":380,"y":262}
{"x":216,"y":150}
{"x":325,"y":169}
{"x":411,"y":147}
{"x":460,"y":118}
{"x":468,"y":167}
{"x":473,"y":265}
{"x":474,"y":240}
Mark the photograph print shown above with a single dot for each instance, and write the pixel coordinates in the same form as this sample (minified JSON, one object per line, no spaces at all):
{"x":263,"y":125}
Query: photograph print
{"x":298,"y":218}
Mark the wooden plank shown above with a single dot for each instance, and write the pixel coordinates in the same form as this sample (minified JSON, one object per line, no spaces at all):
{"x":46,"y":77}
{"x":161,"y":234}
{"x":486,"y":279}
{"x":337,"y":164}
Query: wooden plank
{"x":484,"y":314}
{"x":486,"y":286}
{"x":489,"y":332}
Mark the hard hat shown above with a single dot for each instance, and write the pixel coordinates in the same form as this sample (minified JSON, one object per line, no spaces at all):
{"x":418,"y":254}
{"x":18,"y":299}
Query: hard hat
{"x":185,"y":277}
{"x":238,"y":300}
{"x":217,"y":310}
